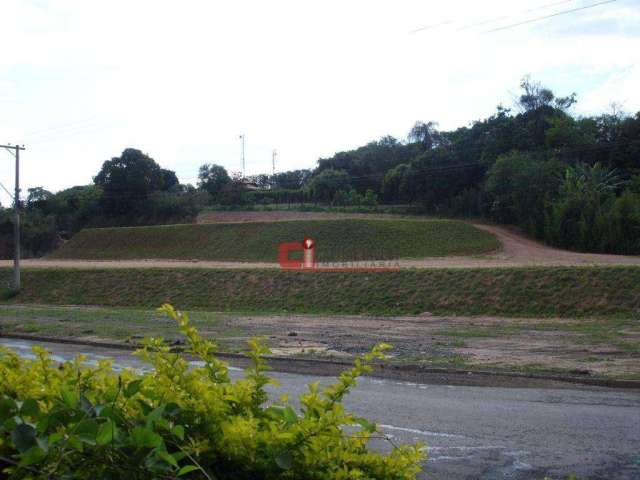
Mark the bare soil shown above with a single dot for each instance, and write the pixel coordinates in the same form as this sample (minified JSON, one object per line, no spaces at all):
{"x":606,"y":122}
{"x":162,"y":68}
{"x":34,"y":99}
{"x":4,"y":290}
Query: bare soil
{"x":589,"y":348}
{"x":451,"y":341}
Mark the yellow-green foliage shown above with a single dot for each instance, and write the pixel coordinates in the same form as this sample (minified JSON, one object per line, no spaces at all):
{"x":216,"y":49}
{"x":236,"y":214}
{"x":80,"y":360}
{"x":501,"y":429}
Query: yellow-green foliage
{"x":76,"y":421}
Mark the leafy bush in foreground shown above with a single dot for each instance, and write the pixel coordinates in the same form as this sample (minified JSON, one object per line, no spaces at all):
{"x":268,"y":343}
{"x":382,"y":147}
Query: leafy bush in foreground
{"x":75,"y":421}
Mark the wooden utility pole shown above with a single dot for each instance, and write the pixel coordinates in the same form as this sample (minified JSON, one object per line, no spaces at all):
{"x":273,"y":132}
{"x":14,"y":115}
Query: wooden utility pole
{"x":16,"y":223}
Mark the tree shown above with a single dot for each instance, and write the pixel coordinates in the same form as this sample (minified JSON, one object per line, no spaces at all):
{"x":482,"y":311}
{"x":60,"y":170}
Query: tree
{"x":327,"y":183}
{"x":127,"y":180}
{"x":292,"y":179}
{"x":37,"y":195}
{"x":534,"y":97}
{"x":213,"y":178}
{"x":521,"y":189}
{"x":427,"y":134}
{"x":394,"y":186}
{"x":169,"y":179}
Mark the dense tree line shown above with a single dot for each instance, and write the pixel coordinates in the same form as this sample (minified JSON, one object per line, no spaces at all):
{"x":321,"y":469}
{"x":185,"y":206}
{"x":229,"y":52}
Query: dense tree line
{"x":131,"y":189}
{"x":572,"y":181}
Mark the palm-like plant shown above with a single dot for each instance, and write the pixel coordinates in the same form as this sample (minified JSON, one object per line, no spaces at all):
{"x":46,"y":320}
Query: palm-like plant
{"x":596,"y":180}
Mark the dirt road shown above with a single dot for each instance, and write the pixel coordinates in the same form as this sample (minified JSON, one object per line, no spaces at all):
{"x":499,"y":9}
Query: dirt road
{"x":517,"y":251}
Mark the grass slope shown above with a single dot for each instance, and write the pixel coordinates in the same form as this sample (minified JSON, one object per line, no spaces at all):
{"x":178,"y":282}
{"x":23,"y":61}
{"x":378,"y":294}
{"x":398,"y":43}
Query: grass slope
{"x":336,"y":240}
{"x":567,"y":292}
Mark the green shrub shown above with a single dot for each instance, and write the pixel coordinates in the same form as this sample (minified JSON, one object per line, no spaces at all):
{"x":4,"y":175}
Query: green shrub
{"x":174,"y":421}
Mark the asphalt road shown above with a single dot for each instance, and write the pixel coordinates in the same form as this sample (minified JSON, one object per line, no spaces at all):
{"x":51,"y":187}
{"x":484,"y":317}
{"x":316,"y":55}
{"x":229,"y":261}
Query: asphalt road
{"x":481,"y":432}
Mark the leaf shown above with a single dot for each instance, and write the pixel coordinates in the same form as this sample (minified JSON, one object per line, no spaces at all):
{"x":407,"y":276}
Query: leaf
{"x":31,"y":456}
{"x":290,"y":415}
{"x":172,"y":409}
{"x":167,"y":457}
{"x":75,"y":442}
{"x":30,"y":408}
{"x":23,"y":437}
{"x":55,"y":438}
{"x":11,"y":423}
{"x":285,"y":460}
{"x":106,"y":432}
{"x":132,"y":388}
{"x":7,"y":408}
{"x":43,"y":443}
{"x":146,"y":408}
{"x":187,"y":469}
{"x":107,"y":411}
{"x":87,"y":431}
{"x":70,"y":397}
{"x":155,"y":415}
{"x":365,"y":424}
{"x":178,"y":431}
{"x":86,"y":406}
{"x":145,"y":438}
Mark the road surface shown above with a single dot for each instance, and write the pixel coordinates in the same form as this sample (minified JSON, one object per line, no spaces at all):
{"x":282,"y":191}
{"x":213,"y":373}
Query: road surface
{"x":480,"y":432}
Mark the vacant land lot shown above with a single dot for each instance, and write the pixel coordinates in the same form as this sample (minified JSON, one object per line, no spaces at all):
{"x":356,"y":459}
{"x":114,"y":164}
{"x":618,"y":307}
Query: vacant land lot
{"x":336,"y":240}
{"x":533,"y":292}
{"x":602,"y":347}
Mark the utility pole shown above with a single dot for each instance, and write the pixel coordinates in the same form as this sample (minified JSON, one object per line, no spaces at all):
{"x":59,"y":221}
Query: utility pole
{"x":16,"y":224}
{"x":243,"y":166}
{"x":274,"y":154}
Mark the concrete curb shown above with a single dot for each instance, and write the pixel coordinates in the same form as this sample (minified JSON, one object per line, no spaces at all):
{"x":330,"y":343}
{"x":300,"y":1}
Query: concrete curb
{"x":414,"y":372}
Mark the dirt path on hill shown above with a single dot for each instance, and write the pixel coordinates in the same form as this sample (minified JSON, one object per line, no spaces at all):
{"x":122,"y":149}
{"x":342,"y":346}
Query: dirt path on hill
{"x":517,"y":251}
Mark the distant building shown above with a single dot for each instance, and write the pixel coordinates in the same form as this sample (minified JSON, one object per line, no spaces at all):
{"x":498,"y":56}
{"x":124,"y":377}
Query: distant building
{"x":248,"y":185}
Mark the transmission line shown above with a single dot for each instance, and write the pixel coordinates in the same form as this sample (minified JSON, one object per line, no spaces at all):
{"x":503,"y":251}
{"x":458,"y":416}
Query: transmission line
{"x":545,"y":17}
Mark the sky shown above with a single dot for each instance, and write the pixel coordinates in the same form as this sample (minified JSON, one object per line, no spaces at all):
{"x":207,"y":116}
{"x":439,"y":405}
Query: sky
{"x":81,"y":80}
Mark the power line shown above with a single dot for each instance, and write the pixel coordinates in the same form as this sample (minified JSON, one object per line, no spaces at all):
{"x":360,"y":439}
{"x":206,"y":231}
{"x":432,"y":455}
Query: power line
{"x":429,"y":27}
{"x":63,"y":126}
{"x":83,"y":130}
{"x":491,"y":20}
{"x":504,"y":17}
{"x":542,"y":7}
{"x":545,"y":17}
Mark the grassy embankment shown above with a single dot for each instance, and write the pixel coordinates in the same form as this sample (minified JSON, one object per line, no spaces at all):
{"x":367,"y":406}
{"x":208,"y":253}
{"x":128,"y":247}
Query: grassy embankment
{"x":533,"y":292}
{"x":336,"y":240}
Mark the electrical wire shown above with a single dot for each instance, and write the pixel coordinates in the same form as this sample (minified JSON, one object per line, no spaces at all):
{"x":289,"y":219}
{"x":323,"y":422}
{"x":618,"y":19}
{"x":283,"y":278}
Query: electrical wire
{"x":545,"y":17}
{"x":430,"y":27}
{"x":504,"y":17}
{"x":491,"y":20}
{"x":41,"y":131}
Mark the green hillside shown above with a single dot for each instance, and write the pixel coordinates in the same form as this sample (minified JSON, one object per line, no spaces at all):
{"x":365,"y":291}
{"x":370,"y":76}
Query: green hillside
{"x":566,"y":292}
{"x":336,"y":240}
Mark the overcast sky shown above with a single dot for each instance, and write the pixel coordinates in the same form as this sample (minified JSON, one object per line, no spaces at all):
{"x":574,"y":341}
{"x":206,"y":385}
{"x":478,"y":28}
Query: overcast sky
{"x":80,"y":80}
